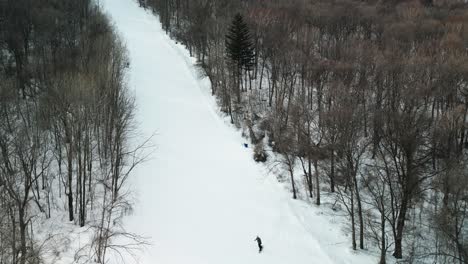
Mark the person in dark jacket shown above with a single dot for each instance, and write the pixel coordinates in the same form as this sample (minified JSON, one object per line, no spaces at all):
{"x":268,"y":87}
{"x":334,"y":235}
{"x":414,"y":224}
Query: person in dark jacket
{"x":259,"y":242}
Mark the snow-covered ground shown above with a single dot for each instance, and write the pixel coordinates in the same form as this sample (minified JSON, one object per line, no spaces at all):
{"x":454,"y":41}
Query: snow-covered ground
{"x":201,"y":198}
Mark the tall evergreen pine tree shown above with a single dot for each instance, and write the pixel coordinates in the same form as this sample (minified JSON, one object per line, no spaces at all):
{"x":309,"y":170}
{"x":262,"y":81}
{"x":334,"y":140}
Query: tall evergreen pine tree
{"x":239,"y":49}
{"x":239,"y":44}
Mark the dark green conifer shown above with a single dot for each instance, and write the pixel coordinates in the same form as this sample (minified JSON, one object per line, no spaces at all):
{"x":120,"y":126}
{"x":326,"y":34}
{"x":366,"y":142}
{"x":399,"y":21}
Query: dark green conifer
{"x":239,"y":49}
{"x":239,"y":44}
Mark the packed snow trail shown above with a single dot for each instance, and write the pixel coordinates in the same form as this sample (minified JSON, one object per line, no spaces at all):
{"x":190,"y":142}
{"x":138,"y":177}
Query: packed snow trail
{"x":201,"y":198}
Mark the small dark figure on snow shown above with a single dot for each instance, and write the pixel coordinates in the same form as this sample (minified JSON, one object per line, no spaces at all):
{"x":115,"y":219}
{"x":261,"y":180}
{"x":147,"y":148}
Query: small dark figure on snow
{"x":259,"y":242}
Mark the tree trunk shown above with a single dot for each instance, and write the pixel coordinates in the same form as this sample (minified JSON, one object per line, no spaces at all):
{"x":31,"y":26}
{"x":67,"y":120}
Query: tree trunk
{"x":82,"y":185}
{"x":309,"y":175}
{"x":238,"y":84}
{"x":353,"y":222}
{"x":13,"y":233}
{"x":398,"y":253}
{"x":361,"y":219}
{"x":291,"y":173}
{"x":70,"y":180}
{"x":317,"y":185}
{"x":382,"y":237}
{"x":332,"y":171}
{"x":23,"y":229}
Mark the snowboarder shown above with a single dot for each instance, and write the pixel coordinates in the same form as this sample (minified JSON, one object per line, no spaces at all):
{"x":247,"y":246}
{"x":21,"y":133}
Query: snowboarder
{"x":259,"y":242}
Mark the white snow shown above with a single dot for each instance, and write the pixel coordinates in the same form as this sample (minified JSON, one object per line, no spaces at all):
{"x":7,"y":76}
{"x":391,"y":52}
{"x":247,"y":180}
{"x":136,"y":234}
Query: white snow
{"x":201,"y":198}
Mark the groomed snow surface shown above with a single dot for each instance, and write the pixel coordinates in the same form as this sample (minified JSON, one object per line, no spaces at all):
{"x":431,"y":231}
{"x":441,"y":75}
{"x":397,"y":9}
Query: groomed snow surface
{"x":201,"y":197}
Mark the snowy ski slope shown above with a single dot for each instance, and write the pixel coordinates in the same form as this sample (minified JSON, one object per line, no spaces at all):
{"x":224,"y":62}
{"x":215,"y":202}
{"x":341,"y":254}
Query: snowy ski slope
{"x":201,"y":198}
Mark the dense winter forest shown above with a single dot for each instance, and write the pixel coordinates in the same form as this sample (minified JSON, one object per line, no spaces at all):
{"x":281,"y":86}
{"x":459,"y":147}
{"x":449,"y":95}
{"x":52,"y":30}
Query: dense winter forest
{"x":368,"y":98}
{"x":65,"y":121}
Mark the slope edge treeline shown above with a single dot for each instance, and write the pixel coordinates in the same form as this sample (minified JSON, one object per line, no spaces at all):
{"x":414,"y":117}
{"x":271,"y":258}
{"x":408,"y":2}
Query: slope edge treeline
{"x":65,"y":121}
